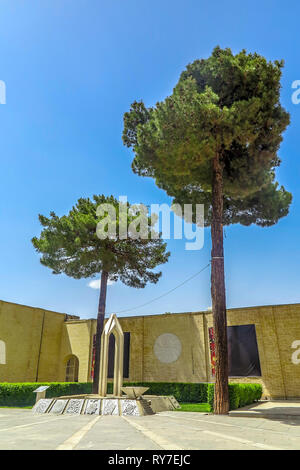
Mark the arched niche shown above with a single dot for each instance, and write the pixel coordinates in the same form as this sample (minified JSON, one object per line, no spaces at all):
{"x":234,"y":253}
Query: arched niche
{"x":71,"y":368}
{"x":2,"y":352}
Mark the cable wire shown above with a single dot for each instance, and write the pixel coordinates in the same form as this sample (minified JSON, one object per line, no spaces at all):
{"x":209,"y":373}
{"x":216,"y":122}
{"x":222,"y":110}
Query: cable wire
{"x":166,"y":293}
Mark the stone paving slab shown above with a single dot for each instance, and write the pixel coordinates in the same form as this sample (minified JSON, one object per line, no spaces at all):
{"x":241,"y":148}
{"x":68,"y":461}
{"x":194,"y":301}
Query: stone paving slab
{"x":118,"y":435}
{"x":21,"y":429}
{"x":284,"y":409}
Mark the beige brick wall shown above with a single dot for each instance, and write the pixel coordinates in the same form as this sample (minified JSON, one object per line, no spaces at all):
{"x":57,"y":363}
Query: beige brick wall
{"x":276,"y":329}
{"x":33,"y":339}
{"x":191,"y":364}
{"x":39,"y":343}
{"x":287,"y":325}
{"x":77,"y":339}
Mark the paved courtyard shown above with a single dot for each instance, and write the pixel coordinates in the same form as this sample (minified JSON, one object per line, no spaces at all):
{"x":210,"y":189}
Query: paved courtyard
{"x":21,"y":429}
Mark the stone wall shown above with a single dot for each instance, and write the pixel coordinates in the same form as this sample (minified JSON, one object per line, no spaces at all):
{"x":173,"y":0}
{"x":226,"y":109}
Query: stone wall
{"x":168,"y":347}
{"x":32,"y":338}
{"x":187,"y":357}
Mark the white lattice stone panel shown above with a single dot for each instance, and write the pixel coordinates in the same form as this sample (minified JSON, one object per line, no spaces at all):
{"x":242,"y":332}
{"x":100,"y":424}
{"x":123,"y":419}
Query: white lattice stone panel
{"x":58,"y":407}
{"x":74,"y":406}
{"x":42,"y":405}
{"x":130,"y":408}
{"x":110,"y":407}
{"x":92,"y":407}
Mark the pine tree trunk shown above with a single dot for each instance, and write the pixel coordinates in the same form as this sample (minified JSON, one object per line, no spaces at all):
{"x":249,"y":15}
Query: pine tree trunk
{"x":100,"y":323}
{"x":221,"y":400}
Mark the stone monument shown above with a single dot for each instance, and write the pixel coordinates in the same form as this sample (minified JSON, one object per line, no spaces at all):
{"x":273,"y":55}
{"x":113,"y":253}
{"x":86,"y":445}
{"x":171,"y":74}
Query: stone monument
{"x":112,"y":326}
{"x":134,"y":403}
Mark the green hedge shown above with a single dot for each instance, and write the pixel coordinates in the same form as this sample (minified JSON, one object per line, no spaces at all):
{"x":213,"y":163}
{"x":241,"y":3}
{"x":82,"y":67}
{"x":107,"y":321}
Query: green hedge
{"x":183,"y":392}
{"x":21,"y":394}
{"x":239,"y":395}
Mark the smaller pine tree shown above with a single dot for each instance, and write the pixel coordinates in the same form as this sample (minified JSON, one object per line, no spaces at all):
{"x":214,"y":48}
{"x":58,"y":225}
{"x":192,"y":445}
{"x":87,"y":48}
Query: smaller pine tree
{"x":71,"y":245}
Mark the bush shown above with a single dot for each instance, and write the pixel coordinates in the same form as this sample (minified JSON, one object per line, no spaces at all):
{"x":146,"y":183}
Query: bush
{"x":183,"y":392}
{"x":21,"y":394}
{"x":239,"y":395}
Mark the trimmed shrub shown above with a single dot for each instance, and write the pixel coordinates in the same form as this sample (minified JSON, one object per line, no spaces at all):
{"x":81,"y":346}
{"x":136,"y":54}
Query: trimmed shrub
{"x":21,"y":394}
{"x":239,"y":395}
{"x":183,"y":392}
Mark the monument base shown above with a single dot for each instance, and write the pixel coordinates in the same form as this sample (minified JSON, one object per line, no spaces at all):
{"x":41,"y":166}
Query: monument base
{"x":109,"y":405}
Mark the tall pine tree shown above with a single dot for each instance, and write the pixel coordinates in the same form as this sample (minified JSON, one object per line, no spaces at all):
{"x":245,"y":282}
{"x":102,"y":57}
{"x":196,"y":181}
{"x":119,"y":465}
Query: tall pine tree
{"x":214,"y":141}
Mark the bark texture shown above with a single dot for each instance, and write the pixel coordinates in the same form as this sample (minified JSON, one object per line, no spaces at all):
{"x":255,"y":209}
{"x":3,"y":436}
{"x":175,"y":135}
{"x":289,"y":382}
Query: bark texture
{"x":100,"y":324}
{"x":221,"y":400}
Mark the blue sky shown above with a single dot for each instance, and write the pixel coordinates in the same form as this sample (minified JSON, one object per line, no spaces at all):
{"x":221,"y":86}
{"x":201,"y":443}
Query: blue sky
{"x":72,"y":68}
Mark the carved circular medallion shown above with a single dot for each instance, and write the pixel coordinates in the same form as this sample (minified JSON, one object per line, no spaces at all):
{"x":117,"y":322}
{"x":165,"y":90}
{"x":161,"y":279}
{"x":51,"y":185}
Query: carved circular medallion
{"x":167,"y":348}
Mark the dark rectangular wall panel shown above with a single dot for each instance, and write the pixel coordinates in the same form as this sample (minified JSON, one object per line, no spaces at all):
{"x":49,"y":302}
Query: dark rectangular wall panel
{"x":243,"y":351}
{"x":243,"y":357}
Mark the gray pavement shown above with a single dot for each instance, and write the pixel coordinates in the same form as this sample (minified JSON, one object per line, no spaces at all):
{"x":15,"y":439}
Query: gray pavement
{"x":21,"y":429}
{"x":278,"y":409}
